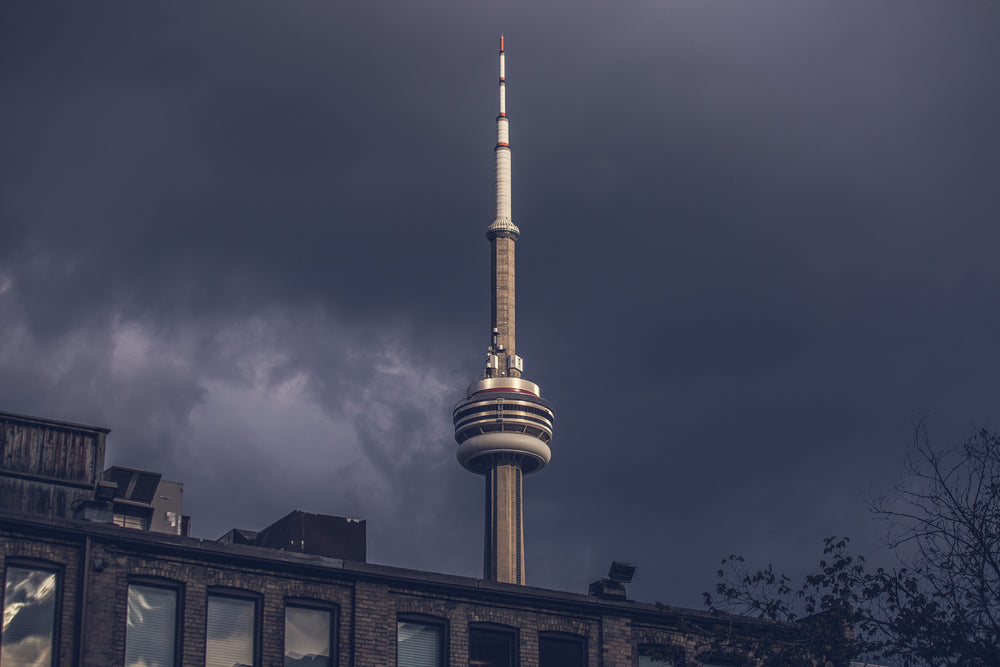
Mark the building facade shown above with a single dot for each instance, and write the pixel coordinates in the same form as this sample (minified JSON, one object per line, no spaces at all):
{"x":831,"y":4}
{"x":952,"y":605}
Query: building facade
{"x":82,"y":593}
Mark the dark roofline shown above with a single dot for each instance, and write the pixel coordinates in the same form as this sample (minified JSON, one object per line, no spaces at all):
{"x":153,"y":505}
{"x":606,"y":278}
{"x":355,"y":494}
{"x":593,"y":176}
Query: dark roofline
{"x":131,"y":469}
{"x":347,"y":571}
{"x":54,"y":423}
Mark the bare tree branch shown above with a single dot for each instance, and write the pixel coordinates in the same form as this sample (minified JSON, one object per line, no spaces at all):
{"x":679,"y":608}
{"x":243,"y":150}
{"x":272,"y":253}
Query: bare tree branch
{"x":939,"y":607}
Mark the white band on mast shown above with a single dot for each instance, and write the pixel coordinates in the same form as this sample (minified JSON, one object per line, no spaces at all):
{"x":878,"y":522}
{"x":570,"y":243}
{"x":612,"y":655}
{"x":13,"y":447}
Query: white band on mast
{"x":503,"y":223}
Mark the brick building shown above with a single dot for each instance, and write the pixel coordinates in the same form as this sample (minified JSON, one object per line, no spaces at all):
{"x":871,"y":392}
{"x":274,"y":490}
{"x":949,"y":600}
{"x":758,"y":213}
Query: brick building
{"x":85,"y":589}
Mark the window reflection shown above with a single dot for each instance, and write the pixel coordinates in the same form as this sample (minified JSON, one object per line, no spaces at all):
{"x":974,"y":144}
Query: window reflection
{"x":230,"y":640}
{"x":29,"y":613}
{"x":418,"y":645}
{"x":151,"y":628}
{"x":307,"y":637}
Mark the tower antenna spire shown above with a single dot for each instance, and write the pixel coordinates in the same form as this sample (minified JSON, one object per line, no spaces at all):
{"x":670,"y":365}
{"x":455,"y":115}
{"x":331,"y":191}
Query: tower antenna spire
{"x":503,"y":426}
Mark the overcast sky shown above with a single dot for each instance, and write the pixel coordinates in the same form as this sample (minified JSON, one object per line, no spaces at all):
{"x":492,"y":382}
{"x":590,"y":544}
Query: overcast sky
{"x":759,"y":240}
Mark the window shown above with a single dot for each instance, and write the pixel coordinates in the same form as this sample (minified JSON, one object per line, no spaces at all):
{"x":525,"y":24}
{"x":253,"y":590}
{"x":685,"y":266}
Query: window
{"x":419,"y":644}
{"x":151,"y":627}
{"x":491,"y":647}
{"x":231,"y":631}
{"x":561,"y":651}
{"x":129,"y":521}
{"x":660,"y":656}
{"x":308,"y":636}
{"x":29,"y":616}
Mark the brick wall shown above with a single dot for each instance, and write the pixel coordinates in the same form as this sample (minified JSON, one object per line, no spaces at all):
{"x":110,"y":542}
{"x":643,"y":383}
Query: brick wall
{"x":367,"y":601}
{"x":64,"y":556}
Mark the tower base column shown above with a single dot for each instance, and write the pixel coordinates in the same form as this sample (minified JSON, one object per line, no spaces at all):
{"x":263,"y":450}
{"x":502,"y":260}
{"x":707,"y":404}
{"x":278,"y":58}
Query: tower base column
{"x":504,"y":553}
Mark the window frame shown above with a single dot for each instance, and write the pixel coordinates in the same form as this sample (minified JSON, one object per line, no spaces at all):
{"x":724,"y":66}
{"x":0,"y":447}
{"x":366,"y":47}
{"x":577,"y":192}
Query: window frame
{"x":38,"y":565}
{"x":258,"y":625}
{"x":320,"y":605}
{"x":431,"y":621}
{"x":169,"y":584}
{"x":512,"y":632}
{"x":567,"y":637}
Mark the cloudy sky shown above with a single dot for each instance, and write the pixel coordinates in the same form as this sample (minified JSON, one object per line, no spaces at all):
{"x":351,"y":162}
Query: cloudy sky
{"x":759,"y":240}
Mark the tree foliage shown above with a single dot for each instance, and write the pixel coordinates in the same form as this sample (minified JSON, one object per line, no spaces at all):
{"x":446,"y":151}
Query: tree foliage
{"x":940,"y":606}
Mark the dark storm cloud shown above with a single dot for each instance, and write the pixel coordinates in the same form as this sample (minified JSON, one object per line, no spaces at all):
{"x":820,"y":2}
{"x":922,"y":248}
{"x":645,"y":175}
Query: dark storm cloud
{"x":757,"y":242}
{"x":788,"y":274}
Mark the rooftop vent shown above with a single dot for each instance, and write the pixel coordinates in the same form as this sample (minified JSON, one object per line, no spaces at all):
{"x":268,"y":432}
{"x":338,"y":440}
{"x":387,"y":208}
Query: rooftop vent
{"x":613,"y":587}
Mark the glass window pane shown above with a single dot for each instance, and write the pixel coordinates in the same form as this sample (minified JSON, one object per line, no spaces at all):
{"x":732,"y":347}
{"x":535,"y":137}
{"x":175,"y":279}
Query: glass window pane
{"x":490,"y":648}
{"x":647,"y":661}
{"x":230,"y":636}
{"x":151,"y":628}
{"x":418,"y":645}
{"x":560,"y":652}
{"x":128,"y":521}
{"x":29,"y":615}
{"x":307,"y":637}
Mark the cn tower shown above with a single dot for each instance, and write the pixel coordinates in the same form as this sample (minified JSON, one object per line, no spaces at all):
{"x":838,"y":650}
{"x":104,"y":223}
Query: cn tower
{"x":503,"y":426}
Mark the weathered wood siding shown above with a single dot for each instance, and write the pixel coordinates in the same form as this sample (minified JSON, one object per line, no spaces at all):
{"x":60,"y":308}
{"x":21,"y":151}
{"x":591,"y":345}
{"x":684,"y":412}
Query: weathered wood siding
{"x":46,"y":464}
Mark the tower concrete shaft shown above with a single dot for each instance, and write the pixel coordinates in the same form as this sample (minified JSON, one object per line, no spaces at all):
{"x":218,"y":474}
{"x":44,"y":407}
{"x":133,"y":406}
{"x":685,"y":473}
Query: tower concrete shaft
{"x":503,"y":555}
{"x":503,"y":426}
{"x":503,"y":306}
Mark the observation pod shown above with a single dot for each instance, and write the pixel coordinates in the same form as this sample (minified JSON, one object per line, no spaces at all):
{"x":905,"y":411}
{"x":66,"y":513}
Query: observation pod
{"x":503,"y":420}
